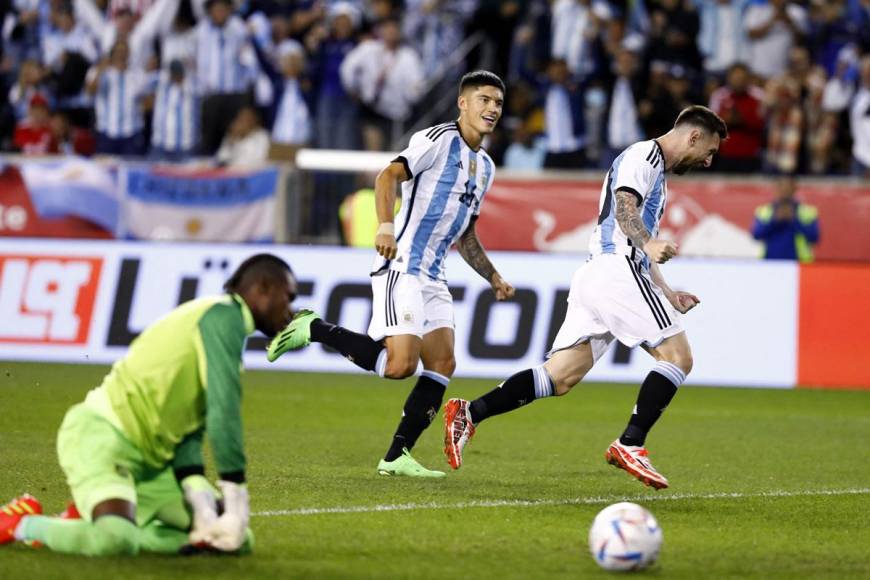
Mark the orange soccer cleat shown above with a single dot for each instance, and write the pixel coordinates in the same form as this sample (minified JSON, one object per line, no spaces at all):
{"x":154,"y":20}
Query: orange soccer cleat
{"x":634,"y":460}
{"x":458,"y":430}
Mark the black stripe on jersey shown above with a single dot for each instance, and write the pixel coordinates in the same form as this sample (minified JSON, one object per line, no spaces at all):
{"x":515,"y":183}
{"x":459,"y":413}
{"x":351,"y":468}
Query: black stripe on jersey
{"x":608,"y":199}
{"x":401,"y":159}
{"x":434,"y":129}
{"x":392,"y":278}
{"x":410,"y":206}
{"x":642,"y":288}
{"x":444,"y":130}
{"x":649,"y":157}
{"x":655,"y":298}
{"x":661,"y":154}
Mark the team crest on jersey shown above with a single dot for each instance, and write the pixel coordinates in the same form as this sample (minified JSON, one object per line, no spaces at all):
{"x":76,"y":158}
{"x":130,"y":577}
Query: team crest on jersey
{"x":472,"y":167}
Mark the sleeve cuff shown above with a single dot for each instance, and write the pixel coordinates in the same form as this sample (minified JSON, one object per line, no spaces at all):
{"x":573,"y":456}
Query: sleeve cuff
{"x":234,"y":476}
{"x":401,"y":159}
{"x":634,"y":192}
{"x":187,"y":471}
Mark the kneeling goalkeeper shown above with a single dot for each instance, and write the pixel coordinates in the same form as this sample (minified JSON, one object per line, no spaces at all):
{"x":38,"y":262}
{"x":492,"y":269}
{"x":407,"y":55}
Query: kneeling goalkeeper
{"x":132,"y":451}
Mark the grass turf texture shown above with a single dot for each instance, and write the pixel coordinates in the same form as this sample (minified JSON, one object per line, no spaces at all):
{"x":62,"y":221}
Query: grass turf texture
{"x":313,"y":441}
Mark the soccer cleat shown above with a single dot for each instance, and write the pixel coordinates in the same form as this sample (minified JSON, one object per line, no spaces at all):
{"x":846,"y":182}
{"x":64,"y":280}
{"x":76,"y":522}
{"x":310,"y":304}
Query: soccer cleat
{"x":12,"y":512}
{"x":634,"y":460}
{"x":458,"y":430}
{"x":405,"y":465}
{"x":70,"y":513}
{"x":295,"y":335}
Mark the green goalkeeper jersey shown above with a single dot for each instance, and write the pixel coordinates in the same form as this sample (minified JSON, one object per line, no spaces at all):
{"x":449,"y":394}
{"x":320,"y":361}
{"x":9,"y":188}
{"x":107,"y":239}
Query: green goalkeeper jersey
{"x":180,"y":378}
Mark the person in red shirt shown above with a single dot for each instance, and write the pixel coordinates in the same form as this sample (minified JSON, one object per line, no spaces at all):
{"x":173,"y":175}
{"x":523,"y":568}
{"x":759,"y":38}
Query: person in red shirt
{"x":33,"y":135}
{"x":740,"y":105}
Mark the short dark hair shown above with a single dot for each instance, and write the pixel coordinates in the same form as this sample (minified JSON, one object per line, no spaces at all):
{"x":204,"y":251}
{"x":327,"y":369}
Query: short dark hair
{"x":703,"y":118}
{"x":257,"y":268}
{"x":480,"y":78}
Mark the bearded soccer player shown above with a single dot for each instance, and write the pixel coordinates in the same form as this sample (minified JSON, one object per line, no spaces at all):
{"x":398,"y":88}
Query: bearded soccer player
{"x":618,"y":293}
{"x":444,"y":174}
{"x":131,"y":452}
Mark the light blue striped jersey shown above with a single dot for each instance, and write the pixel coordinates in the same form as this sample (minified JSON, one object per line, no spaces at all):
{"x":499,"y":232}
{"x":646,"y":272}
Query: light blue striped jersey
{"x":448,"y":183}
{"x":118,"y":101}
{"x":175,"y":127}
{"x":640,"y":169}
{"x":225,"y":61}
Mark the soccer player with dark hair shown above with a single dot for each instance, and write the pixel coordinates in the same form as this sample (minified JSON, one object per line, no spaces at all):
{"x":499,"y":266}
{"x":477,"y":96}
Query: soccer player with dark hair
{"x":618,"y":293}
{"x":444,"y":174}
{"x":132,"y":451}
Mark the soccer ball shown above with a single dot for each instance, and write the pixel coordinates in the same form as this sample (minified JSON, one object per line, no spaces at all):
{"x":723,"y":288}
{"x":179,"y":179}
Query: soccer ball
{"x":625,"y":536}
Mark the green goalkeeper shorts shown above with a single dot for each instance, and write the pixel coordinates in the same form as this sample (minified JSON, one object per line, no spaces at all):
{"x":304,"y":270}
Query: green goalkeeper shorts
{"x":100,"y":464}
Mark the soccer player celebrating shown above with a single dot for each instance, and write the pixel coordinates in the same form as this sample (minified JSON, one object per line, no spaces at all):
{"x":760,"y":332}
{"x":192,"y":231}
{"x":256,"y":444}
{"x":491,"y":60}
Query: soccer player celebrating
{"x":125,"y":449}
{"x":444,"y":174}
{"x":618,"y":293}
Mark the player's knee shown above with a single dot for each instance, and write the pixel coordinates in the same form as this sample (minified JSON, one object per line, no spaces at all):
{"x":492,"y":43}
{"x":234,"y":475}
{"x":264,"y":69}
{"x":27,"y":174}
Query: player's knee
{"x":115,"y":536}
{"x":445,"y":366}
{"x":683,"y":360}
{"x":400,"y":368}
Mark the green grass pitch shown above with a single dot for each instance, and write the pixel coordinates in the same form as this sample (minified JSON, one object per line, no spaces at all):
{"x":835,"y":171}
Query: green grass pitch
{"x":764,"y":483}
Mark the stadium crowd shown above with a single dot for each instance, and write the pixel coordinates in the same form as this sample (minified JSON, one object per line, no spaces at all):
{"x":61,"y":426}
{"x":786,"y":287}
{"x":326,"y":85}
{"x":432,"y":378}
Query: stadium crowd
{"x":171,"y":79}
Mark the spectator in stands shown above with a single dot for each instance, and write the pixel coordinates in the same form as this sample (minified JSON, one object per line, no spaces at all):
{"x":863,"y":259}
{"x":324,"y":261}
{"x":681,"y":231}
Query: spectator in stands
{"x":119,"y":91}
{"x":674,"y":27}
{"x":435,"y":29}
{"x":66,"y":38}
{"x":785,"y":126}
{"x":526,"y":151}
{"x":564,"y":119}
{"x":336,"y":113}
{"x":226,"y":66}
{"x":23,"y":20}
{"x":246,"y":143}
{"x":623,"y":121}
{"x":658,"y":109}
{"x":139,"y":33}
{"x":859,"y":119}
{"x":71,"y":140}
{"x":772,"y":29}
{"x":290,"y":116}
{"x":722,"y":39}
{"x":740,"y":104}
{"x":33,"y":135}
{"x":830,"y":30}
{"x":576,"y":24}
{"x":496,"y":20}
{"x":31,"y":77}
{"x":174,"y":130}
{"x":820,"y":134}
{"x":788,"y":228}
{"x":386,"y":76}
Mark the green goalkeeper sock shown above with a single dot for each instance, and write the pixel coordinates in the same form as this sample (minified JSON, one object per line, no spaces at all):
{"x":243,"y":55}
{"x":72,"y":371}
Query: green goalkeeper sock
{"x":162,"y":539}
{"x":107,"y":536}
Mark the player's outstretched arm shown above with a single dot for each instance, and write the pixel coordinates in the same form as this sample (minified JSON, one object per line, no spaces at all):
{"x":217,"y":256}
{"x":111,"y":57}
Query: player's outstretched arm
{"x":472,"y":252}
{"x":628,"y":217}
{"x":682,"y":301}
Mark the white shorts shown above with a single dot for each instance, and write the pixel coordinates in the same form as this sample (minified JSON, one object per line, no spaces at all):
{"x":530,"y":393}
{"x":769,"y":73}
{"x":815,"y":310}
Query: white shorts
{"x":405,"y":304}
{"x":613,"y":297}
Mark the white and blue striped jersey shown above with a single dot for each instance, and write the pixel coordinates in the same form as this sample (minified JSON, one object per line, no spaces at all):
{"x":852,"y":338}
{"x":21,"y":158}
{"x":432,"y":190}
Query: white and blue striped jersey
{"x":640,"y":169}
{"x":448,"y":183}
{"x":225,"y":61}
{"x":175,"y":127}
{"x":118,"y":102}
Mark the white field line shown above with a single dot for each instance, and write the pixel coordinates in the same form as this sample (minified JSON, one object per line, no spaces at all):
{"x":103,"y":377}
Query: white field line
{"x":362,"y":509}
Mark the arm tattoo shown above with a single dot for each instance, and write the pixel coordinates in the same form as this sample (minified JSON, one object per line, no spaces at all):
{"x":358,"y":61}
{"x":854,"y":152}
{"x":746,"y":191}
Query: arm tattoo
{"x":628,"y":217}
{"x":473,"y":253}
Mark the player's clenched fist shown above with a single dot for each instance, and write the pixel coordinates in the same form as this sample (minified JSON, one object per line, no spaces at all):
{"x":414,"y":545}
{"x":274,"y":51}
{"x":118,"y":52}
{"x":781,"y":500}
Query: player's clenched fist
{"x":660,"y":251}
{"x":385,"y":240}
{"x":502,"y":289}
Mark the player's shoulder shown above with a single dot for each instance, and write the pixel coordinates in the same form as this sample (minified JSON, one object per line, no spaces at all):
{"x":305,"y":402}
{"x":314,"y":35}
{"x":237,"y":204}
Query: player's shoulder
{"x":647,"y":153}
{"x":439,"y":132}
